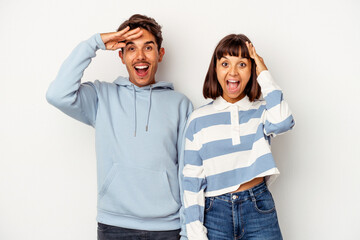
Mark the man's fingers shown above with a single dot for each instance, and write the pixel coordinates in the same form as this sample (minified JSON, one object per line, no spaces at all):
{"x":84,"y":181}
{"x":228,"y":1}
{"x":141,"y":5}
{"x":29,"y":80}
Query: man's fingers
{"x":135,"y":33}
{"x":114,"y":45}
{"x":123,"y":31}
{"x":131,"y":32}
{"x":134,"y":36}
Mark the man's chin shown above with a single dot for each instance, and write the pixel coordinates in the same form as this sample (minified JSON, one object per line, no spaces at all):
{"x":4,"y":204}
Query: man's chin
{"x":142,"y":82}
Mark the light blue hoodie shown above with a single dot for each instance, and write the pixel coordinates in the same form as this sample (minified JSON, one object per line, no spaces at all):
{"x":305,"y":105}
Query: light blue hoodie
{"x":139,"y":134}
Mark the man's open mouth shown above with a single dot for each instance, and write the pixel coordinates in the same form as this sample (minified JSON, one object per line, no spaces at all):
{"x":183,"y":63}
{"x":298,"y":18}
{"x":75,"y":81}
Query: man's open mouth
{"x":141,"y":70}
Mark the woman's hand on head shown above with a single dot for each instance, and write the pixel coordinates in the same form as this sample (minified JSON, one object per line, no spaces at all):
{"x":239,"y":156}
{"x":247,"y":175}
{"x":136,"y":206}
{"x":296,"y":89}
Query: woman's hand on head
{"x":259,"y":61}
{"x":116,"y":40}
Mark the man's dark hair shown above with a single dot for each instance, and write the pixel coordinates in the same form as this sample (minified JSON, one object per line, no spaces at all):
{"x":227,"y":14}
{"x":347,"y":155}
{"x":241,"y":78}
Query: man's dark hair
{"x":144,"y":22}
{"x":232,"y":45}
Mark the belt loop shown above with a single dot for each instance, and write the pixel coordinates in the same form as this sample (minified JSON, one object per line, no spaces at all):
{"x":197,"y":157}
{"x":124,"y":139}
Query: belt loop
{"x":252,"y":195}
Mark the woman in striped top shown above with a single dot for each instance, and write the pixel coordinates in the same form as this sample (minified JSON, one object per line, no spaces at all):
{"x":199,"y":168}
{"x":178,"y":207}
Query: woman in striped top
{"x":228,"y":160}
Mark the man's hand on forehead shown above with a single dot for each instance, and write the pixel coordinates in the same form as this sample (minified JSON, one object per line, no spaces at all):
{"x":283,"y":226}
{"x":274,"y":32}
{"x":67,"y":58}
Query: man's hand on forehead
{"x":116,"y":40}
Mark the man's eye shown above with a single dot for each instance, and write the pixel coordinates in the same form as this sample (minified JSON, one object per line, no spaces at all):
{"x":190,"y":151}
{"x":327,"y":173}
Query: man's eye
{"x":148,"y":48}
{"x":131,"y":49}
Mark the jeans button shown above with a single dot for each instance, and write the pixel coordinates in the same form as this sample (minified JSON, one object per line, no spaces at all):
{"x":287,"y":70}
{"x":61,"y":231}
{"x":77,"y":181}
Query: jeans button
{"x":234,"y":197}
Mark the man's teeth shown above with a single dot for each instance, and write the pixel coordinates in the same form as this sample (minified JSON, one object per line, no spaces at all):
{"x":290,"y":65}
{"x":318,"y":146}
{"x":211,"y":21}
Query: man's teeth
{"x":141,"y":67}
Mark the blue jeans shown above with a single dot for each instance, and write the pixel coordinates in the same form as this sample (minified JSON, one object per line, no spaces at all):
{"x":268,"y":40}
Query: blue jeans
{"x":249,"y":214}
{"x":107,"y":232}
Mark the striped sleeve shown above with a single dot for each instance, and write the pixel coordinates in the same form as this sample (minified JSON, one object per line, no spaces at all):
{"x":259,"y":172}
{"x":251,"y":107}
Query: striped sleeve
{"x":278,"y":117}
{"x":194,"y":184}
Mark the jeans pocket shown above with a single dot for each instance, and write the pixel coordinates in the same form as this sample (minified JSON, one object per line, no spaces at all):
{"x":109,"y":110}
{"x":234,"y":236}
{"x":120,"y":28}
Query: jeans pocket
{"x":264,"y":202}
{"x":209,"y":201}
{"x":103,"y":227}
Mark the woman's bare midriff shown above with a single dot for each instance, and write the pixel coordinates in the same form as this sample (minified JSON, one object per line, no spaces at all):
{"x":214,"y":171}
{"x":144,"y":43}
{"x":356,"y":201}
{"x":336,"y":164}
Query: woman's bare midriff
{"x":250,"y":184}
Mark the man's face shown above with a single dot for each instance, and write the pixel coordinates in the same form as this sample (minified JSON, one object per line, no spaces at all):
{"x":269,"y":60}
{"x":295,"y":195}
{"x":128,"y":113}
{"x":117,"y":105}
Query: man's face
{"x":141,"y":57}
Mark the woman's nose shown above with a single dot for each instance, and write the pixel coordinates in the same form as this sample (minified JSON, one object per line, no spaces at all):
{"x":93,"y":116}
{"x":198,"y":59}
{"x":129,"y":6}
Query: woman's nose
{"x":233,"y":71}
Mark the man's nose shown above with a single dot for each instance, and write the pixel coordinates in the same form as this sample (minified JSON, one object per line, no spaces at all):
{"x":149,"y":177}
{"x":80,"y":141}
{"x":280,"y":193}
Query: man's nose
{"x":140,"y":55}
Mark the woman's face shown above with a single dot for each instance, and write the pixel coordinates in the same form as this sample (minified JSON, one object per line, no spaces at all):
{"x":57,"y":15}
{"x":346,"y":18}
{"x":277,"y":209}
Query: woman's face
{"x":233,"y":74}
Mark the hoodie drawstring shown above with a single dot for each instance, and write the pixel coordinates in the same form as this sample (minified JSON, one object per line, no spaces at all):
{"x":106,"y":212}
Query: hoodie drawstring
{"x":148,"y":115}
{"x":135,"y":110}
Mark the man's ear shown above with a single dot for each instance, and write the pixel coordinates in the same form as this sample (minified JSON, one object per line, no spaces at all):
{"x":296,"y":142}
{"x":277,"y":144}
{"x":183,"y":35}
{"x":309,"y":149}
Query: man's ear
{"x":161,"y":54}
{"x":121,"y":56}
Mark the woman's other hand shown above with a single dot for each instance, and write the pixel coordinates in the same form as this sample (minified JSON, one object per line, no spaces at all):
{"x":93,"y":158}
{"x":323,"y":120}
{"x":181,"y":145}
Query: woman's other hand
{"x":259,"y":61}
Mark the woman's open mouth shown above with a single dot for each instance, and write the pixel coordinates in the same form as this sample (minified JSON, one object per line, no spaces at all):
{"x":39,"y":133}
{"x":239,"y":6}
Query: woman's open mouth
{"x":233,"y":86}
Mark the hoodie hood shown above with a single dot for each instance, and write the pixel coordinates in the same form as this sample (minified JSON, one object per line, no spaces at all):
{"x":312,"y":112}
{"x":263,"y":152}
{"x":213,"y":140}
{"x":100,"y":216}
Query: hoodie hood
{"x":125,"y":82}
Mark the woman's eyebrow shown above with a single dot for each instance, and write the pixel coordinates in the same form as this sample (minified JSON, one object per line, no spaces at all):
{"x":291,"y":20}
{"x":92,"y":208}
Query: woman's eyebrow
{"x":233,"y":56}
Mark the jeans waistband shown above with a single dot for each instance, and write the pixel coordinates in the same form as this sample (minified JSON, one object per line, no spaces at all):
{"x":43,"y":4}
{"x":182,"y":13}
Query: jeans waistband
{"x":244,"y":195}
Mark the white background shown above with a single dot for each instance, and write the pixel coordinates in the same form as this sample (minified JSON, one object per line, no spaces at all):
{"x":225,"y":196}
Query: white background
{"x":47,"y":160}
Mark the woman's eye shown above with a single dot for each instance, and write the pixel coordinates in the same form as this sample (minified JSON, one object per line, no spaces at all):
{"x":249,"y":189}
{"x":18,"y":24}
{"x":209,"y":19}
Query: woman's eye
{"x":242,"y":64}
{"x":224,"y":64}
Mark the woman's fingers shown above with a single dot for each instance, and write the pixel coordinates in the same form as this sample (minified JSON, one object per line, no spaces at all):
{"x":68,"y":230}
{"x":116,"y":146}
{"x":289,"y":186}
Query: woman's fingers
{"x":259,"y":61}
{"x":250,"y":49}
{"x":253,"y":53}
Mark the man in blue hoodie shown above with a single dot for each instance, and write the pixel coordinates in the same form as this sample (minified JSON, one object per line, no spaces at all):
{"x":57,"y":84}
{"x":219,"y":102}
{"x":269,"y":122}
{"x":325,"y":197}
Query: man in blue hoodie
{"x":139,"y":125}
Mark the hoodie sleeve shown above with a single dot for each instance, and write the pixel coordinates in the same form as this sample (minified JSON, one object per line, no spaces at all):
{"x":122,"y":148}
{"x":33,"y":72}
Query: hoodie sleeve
{"x":181,"y":145}
{"x":277,"y":118}
{"x":67,"y":93}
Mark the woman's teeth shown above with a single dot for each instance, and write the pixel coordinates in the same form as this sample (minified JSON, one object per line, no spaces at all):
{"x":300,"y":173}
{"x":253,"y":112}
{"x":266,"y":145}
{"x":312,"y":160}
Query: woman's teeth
{"x":232,"y":84}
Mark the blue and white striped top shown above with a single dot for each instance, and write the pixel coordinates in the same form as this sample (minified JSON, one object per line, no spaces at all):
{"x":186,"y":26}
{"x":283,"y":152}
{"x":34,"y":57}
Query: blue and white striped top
{"x":227,"y":145}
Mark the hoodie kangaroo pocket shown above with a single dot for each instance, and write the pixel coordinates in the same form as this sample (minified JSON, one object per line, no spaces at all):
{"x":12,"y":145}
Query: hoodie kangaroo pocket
{"x":137,"y":192}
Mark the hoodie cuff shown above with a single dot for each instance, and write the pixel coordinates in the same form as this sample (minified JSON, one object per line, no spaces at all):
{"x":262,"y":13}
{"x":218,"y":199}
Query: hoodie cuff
{"x":99,"y":43}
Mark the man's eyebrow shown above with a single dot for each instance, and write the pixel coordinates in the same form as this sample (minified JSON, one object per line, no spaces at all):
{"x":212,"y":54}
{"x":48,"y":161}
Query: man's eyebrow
{"x":148,"y":42}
